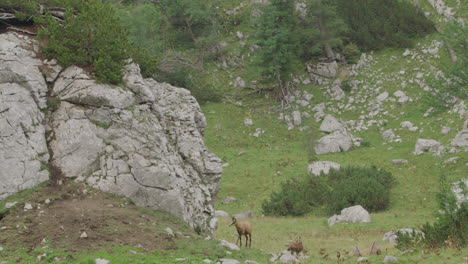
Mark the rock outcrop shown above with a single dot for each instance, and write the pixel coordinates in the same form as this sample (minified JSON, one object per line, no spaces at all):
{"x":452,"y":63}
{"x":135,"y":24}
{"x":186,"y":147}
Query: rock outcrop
{"x":143,"y":140}
{"x":23,"y":148}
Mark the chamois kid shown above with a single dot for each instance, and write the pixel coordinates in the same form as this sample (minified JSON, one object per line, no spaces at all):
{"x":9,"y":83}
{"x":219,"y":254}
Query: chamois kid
{"x":243,"y":228}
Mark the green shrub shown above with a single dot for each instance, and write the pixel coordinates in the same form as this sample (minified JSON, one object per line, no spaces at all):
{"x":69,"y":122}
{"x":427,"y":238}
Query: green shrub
{"x":369,"y":187}
{"x":296,"y":197}
{"x":451,"y":227}
{"x":89,"y":36}
{"x":193,"y":80}
{"x":351,"y":52}
{"x":407,"y":241}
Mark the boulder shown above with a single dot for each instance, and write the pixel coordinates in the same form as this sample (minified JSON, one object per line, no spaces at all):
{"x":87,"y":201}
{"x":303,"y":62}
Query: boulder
{"x":445,"y":130}
{"x":388,"y":135}
{"x":228,"y":261}
{"x":382,"y":97}
{"x":459,"y":189}
{"x":353,"y":214}
{"x":461,"y":139}
{"x":248,"y":122}
{"x":230,"y":246}
{"x":319,"y":167}
{"x":390,"y":259}
{"x":220,"y":213}
{"x":426,"y":145}
{"x":23,"y":146}
{"x":331,"y":124}
{"x":296,"y":118}
{"x":337,"y":141}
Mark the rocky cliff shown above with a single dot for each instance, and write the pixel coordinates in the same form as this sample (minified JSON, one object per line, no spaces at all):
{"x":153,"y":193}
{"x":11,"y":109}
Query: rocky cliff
{"x":143,"y":139}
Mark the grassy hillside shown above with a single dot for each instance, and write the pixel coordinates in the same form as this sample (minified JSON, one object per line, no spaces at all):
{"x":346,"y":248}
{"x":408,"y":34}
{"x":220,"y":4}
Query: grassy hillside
{"x":256,"y":167}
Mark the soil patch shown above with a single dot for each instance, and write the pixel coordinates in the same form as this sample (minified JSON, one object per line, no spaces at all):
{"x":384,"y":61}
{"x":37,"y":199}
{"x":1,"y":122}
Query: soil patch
{"x":61,"y":214}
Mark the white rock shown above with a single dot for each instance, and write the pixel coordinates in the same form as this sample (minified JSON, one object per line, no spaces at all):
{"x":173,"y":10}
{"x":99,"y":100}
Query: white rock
{"x":28,"y":206}
{"x":101,"y":261}
{"x":353,"y":214}
{"x":461,"y":139}
{"x":331,"y":124}
{"x":248,"y":122}
{"x":445,"y":130}
{"x":296,"y":116}
{"x":319,"y":167}
{"x":1,"y":248}
{"x":399,"y":161}
{"x":207,"y":261}
{"x":229,"y":261}
{"x":84,"y":235}
{"x":335,"y":142}
{"x":382,"y":97}
{"x":220,"y":213}
{"x":169,"y":232}
{"x":406,"y":124}
{"x":388,"y":135}
{"x":426,"y":145}
{"x":231,"y":246}
{"x":362,"y":259}
{"x":390,"y":259}
{"x":9,"y":205}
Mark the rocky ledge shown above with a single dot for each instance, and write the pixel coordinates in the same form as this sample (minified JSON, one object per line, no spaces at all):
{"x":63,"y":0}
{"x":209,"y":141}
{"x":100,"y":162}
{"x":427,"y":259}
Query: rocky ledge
{"x":143,"y":139}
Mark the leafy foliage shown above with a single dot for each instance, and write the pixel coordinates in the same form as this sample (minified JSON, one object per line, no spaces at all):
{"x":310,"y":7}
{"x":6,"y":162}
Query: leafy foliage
{"x":90,"y":35}
{"x":375,"y":24}
{"x":275,"y":35}
{"x":451,"y":228}
{"x":369,"y":187}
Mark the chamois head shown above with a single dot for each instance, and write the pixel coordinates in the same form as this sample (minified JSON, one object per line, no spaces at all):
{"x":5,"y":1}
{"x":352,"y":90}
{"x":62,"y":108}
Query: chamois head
{"x":234,"y":221}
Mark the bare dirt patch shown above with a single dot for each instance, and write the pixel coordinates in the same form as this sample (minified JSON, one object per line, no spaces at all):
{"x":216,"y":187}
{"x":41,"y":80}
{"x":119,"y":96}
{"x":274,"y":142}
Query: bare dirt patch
{"x":61,"y":214}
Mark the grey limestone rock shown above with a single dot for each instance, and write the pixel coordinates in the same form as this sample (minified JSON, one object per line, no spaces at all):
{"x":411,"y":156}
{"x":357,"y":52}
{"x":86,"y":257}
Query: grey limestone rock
{"x":353,"y":214}
{"x":318,"y":167}
{"x":331,"y":124}
{"x":426,"y":145}
{"x":23,"y":147}
{"x":338,"y":141}
{"x":143,"y":140}
{"x":461,"y":139}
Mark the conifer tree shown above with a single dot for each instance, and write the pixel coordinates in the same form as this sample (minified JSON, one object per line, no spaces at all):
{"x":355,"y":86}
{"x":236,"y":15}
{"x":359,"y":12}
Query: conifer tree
{"x":278,"y":41}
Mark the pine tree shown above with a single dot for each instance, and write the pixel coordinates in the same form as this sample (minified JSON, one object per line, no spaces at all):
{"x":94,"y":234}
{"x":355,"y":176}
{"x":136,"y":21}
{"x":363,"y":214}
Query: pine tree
{"x":278,"y":41}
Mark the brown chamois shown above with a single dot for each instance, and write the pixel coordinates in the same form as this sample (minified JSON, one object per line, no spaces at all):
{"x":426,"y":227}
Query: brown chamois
{"x":295,"y":246}
{"x":243,"y":228}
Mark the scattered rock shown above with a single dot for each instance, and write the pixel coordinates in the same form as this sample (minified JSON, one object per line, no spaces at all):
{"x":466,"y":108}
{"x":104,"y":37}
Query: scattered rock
{"x":382,"y":97}
{"x":399,"y":161}
{"x":331,"y":124}
{"x":258,"y":132}
{"x":28,"y":206}
{"x":9,"y":205}
{"x":388,"y":135}
{"x":459,"y":189}
{"x":445,"y":130}
{"x":426,"y":145}
{"x":392,"y":237}
{"x":247,"y":214}
{"x":248,"y":122}
{"x":228,"y":261}
{"x":461,"y":139}
{"x":390,"y":259}
{"x":220,"y":213}
{"x":353,"y":214}
{"x":207,"y":261}
{"x":362,"y":260}
{"x":169,"y":232}
{"x":337,"y":141}
{"x":231,"y":246}
{"x":84,"y":235}
{"x":319,"y":167}
{"x":101,"y":261}
{"x":239,"y":83}
{"x":451,"y":160}
{"x":228,"y":199}
{"x":429,"y":112}
{"x":296,"y":117}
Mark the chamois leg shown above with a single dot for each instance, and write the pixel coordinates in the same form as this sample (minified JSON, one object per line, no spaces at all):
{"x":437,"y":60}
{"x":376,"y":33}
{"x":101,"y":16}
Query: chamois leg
{"x":246,"y":239}
{"x":239,"y":238}
{"x":250,"y":240}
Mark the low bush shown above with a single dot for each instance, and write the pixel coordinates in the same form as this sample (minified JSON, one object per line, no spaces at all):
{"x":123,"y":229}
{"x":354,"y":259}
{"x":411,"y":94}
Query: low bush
{"x":368,"y":187}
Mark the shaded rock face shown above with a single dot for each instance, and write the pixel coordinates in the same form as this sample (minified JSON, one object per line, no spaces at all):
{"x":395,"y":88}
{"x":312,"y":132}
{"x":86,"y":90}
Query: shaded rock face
{"x":22,"y":134}
{"x":143,"y":141}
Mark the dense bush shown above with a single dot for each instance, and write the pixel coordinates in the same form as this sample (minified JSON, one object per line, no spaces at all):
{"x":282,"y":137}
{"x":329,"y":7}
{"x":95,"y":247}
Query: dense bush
{"x":375,"y":24}
{"x":451,"y":227}
{"x":369,"y":187}
{"x":89,"y":36}
{"x":296,"y":197}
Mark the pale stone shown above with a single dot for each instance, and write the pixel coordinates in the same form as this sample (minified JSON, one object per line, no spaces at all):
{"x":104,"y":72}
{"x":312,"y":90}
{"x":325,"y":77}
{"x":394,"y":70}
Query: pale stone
{"x":426,"y":145}
{"x":353,"y":214}
{"x":330,"y":124}
{"x":337,"y":141}
{"x":319,"y":167}
{"x":231,"y":246}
